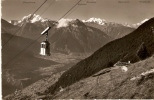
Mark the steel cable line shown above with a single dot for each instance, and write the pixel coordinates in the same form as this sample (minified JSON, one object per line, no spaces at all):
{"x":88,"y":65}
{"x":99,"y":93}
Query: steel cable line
{"x":22,"y":51}
{"x":38,"y":37}
{"x":72,"y":11}
{"x":69,"y":10}
{"x":47,"y":7}
{"x":24,"y":23}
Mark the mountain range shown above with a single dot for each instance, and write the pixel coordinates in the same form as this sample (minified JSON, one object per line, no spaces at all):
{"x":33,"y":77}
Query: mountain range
{"x":95,"y":32}
{"x":37,"y":18}
{"x":103,"y":21}
{"x":99,"y":76}
{"x":66,"y":36}
{"x":114,"y":30}
{"x":70,"y":37}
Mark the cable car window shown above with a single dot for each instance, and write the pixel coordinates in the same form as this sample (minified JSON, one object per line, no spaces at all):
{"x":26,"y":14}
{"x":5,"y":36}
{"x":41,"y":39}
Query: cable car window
{"x":41,"y":45}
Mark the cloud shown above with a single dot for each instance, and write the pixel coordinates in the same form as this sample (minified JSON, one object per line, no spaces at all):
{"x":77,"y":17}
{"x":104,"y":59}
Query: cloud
{"x":64,"y":22}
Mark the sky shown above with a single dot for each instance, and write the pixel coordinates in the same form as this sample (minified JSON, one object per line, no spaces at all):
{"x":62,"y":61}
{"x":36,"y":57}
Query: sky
{"x":121,"y":11}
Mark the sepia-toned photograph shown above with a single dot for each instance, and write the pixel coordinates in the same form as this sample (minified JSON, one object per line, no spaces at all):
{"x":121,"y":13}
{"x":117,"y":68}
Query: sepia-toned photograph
{"x":77,"y":49}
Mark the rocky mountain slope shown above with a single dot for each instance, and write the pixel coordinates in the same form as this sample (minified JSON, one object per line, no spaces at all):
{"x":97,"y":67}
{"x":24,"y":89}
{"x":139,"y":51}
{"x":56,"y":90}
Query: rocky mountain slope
{"x":124,"y":49}
{"x":73,"y":36}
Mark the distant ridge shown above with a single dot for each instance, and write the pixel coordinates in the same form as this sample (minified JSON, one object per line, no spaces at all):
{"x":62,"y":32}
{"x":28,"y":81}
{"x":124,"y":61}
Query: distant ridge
{"x":7,"y":27}
{"x":113,"y":29}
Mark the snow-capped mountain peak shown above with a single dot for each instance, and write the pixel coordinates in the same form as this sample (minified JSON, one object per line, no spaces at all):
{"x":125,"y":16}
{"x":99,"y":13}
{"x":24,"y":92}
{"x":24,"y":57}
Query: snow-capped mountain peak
{"x":32,"y":18}
{"x":95,"y":20}
{"x":37,"y":18}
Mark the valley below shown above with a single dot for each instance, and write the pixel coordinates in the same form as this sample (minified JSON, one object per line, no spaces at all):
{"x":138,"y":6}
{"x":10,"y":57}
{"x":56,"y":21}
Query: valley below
{"x":24,"y":75}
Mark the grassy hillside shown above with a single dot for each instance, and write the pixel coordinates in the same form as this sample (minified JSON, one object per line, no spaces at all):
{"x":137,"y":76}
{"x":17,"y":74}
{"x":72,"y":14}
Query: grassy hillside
{"x":115,"y":84}
{"x":123,"y":49}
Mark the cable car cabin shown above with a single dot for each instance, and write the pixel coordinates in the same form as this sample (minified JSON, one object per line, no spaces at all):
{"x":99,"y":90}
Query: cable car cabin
{"x":45,"y":48}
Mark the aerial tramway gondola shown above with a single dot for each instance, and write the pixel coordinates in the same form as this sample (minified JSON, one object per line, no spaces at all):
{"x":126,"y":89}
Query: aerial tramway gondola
{"x":45,"y":45}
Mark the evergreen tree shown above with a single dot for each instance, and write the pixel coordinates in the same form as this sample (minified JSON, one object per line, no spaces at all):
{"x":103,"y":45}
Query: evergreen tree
{"x":142,"y":52}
